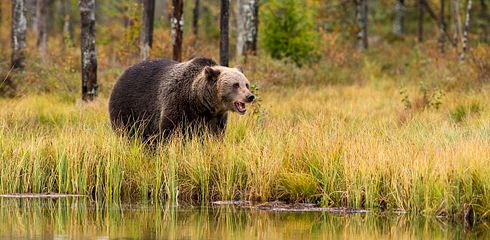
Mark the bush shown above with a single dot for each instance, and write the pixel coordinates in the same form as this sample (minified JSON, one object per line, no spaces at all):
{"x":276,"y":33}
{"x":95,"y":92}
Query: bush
{"x":288,"y":31}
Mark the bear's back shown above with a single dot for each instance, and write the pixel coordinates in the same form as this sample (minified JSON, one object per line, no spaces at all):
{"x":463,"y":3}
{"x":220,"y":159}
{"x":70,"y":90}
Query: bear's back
{"x":134,"y":96}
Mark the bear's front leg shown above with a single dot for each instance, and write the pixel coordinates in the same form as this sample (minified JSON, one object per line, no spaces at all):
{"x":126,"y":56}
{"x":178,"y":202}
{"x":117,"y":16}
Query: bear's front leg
{"x":217,"y":125}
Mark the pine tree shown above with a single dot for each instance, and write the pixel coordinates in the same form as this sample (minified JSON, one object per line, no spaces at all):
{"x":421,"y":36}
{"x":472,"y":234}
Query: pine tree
{"x":195,"y":18}
{"x":420,"y":22}
{"x":442,"y":27}
{"x":177,"y":22}
{"x":148,"y":21}
{"x":224,"y":32}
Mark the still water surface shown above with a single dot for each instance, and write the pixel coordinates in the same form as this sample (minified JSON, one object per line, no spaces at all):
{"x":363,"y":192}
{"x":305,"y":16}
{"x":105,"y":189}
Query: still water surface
{"x":72,"y":218}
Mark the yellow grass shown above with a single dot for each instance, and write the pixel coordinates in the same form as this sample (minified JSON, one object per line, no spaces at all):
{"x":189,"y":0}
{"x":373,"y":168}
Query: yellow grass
{"x":338,"y":146}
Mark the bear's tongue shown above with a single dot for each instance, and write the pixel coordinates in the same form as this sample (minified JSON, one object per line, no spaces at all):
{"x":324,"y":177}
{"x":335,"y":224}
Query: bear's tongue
{"x":240,"y":107}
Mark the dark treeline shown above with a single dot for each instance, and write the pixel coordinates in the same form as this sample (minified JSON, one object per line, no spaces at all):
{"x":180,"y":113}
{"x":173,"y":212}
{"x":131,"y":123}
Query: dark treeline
{"x":288,"y":31}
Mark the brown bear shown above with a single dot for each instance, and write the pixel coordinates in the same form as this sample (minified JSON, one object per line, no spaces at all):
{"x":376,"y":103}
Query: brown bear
{"x":154,"y":98}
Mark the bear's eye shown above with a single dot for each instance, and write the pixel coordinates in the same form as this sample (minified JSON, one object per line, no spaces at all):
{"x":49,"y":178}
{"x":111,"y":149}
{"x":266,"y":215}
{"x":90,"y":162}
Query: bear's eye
{"x":236,"y":85}
{"x":246,"y":85}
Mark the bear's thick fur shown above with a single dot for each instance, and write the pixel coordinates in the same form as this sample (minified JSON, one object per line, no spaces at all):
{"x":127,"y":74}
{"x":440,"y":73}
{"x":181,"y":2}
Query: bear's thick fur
{"x":153,"y":98}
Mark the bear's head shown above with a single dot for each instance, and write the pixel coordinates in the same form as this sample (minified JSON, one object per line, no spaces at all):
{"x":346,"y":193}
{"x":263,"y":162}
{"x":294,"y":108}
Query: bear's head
{"x":232,"y":87}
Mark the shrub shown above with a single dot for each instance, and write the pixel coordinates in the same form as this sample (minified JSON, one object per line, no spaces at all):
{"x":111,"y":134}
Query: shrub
{"x":288,"y":31}
{"x":461,"y":112}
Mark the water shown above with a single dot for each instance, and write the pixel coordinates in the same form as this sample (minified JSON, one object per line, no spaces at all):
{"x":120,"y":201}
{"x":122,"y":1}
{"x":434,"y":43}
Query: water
{"x":72,"y":218}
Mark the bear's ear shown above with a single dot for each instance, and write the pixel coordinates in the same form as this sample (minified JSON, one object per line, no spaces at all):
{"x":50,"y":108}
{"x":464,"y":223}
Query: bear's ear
{"x":239,"y":68}
{"x":211,"y":73}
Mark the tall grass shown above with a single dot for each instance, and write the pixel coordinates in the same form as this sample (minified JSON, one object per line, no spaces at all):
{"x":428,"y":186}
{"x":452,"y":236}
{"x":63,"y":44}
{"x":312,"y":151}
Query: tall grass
{"x":335,"y":132}
{"x":336,"y":146}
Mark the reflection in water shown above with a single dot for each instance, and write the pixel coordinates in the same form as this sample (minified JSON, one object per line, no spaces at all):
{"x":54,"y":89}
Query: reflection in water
{"x":81,"y":218}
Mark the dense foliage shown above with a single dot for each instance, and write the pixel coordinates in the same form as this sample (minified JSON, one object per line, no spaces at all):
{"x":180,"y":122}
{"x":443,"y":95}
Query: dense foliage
{"x":288,"y":30}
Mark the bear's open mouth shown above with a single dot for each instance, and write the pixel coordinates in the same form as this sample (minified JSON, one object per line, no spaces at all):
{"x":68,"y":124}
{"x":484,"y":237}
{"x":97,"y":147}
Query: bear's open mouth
{"x":240,"y":107}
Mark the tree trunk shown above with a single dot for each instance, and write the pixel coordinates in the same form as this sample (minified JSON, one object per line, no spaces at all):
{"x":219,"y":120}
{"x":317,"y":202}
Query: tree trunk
{"x":464,"y":42}
{"x":455,"y":22}
{"x":485,"y":21}
{"x":124,"y":9}
{"x":177,"y":22}
{"x":362,"y":22}
{"x":165,"y":13}
{"x":148,"y":20}
{"x":31,"y":7}
{"x":67,"y":29}
{"x":248,"y":23}
{"x":18,"y":34}
{"x":224,"y":25}
{"x":399,"y":23}
{"x":88,"y":53}
{"x":420,"y":24}
{"x":42,"y":27}
{"x":442,"y":26}
{"x":195,"y":18}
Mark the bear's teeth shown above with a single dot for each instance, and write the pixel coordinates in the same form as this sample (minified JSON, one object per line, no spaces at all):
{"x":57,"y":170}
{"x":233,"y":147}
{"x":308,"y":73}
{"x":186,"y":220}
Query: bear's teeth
{"x":240,"y":106}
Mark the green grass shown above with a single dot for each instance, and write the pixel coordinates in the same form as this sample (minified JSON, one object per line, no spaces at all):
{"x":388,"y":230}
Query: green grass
{"x":337,"y":146}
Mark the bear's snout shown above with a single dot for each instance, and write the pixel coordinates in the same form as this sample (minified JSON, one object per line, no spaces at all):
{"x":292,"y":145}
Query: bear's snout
{"x":250,"y":97}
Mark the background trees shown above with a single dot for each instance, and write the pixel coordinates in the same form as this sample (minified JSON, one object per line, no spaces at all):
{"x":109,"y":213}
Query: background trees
{"x":247,"y":26}
{"x":87,"y":47}
{"x":148,"y":19}
{"x":288,"y":30}
{"x":42,"y":26}
{"x":399,"y":18}
{"x":18,"y":33}
{"x":177,"y":25}
{"x":224,"y":24}
{"x":296,"y":31}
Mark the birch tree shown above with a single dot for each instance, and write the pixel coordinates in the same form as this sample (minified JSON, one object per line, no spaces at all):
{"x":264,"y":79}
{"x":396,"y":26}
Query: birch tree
{"x":31,"y":8}
{"x":456,"y":25}
{"x":399,"y":19}
{"x":195,"y":18}
{"x":248,"y":22}
{"x":177,"y":25}
{"x":165,"y":11}
{"x":464,"y":42}
{"x":362,"y":22}
{"x":148,"y":21}
{"x":88,"y":52}
{"x":224,"y":32}
{"x":67,"y":28}
{"x":18,"y":33}
{"x":42,"y":27}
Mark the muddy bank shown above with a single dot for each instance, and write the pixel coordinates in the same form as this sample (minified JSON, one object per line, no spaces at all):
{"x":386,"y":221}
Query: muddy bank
{"x":279,"y":206}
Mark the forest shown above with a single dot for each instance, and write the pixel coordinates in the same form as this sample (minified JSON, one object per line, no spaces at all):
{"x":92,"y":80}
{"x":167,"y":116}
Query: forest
{"x":363,"y":104}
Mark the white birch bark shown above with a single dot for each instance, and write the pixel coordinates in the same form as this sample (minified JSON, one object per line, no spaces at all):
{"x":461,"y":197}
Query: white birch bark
{"x":247,"y":26}
{"x":464,"y":42}
{"x":18,"y":33}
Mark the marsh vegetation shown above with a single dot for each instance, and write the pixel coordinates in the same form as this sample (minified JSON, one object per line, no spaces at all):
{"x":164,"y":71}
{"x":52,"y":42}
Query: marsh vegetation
{"x":399,"y":126}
